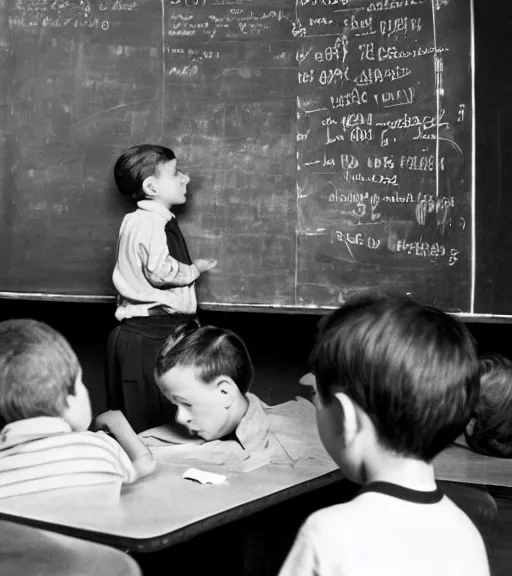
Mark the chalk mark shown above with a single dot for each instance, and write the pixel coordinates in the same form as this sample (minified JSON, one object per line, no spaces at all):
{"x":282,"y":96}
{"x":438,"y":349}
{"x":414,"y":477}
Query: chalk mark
{"x":119,"y":106}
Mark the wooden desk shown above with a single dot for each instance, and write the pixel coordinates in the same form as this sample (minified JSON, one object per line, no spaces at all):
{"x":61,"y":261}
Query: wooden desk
{"x":31,"y":552}
{"x":460,"y":464}
{"x":165,"y":509}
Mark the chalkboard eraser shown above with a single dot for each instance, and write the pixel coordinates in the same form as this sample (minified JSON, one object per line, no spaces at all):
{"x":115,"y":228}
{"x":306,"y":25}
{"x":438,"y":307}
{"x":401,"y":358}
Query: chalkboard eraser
{"x":203,"y":477}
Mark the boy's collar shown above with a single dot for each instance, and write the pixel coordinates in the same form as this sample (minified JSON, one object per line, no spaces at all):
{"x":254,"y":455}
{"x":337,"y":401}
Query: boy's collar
{"x":151,"y":206}
{"x":403,"y":493}
{"x":253,"y":427}
{"x":31,"y":429}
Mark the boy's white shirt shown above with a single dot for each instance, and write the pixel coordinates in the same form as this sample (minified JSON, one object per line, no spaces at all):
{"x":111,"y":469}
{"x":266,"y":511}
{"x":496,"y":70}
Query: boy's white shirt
{"x":145,"y":274}
{"x":380,"y":534}
{"x":283,"y":434}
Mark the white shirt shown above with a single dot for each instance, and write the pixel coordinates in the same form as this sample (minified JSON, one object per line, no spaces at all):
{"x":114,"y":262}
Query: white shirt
{"x":145,"y":274}
{"x":41,"y":454}
{"x":284,"y":434}
{"x":381,"y":535}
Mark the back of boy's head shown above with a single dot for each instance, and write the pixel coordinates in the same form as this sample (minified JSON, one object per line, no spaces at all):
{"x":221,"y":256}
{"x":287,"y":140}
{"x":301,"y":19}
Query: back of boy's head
{"x":212,"y":351}
{"x":413,"y":370}
{"x":38,"y":370}
{"x":491,"y":429}
{"x":136,"y":164}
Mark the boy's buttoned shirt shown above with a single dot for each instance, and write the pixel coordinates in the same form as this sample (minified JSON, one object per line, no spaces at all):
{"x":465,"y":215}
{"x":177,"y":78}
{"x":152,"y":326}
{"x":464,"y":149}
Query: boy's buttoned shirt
{"x":145,"y":274}
{"x":282,"y":434}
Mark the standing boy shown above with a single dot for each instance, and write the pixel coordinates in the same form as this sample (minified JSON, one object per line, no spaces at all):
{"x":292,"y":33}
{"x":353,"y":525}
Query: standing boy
{"x":154,"y":277}
{"x":396,"y":383}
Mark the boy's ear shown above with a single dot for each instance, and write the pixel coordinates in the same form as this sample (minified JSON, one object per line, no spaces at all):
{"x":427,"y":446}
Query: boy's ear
{"x":227,"y":389}
{"x":308,"y":380}
{"x":148,"y":186}
{"x":470,"y":428}
{"x":72,"y":396}
{"x":350,"y":417}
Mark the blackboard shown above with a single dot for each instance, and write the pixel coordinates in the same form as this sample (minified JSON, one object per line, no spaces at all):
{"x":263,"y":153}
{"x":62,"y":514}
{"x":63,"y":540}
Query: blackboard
{"x":330,"y":144}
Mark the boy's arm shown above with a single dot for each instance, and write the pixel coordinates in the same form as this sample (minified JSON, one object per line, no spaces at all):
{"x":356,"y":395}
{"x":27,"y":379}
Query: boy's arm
{"x":164,"y":271}
{"x":115,"y":423}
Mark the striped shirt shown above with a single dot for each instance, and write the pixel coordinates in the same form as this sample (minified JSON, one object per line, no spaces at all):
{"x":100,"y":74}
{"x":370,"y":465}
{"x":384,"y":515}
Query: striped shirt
{"x":145,"y":274}
{"x":41,"y":454}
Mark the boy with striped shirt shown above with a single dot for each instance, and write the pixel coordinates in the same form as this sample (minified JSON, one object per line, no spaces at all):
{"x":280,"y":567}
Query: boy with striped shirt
{"x":45,"y":445}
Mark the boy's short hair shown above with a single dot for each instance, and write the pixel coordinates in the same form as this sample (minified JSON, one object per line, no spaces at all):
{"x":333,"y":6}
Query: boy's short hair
{"x":136,"y":164}
{"x":490,"y":362}
{"x":412,"y":368}
{"x":491,"y":431}
{"x":213,"y":351}
{"x":38,"y":370}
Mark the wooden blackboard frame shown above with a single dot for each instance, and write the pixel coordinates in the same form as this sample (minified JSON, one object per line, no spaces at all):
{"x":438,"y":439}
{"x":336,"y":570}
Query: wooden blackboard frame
{"x":255,"y":308}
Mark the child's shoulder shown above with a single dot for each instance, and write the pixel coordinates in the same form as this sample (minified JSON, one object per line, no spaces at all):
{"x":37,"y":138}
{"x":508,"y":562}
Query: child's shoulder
{"x":139,"y":219}
{"x":457,"y":520}
{"x":338,"y":520}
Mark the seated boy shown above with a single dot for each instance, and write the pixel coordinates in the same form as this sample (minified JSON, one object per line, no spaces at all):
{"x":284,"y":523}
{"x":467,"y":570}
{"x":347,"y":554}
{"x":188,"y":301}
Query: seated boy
{"x":396,"y":383}
{"x":45,"y":445}
{"x":206,"y":373}
{"x":490,"y":428}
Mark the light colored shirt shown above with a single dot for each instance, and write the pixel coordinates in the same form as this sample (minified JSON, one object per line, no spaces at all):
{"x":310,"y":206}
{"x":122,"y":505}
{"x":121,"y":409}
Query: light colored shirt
{"x":383,"y":535}
{"x":283,"y":434}
{"x":41,"y":454}
{"x":145,"y":274}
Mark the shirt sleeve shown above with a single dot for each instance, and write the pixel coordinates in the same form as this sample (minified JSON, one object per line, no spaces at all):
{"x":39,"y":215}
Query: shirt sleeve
{"x":160,"y":269}
{"x":302,"y":559}
{"x":124,"y":464}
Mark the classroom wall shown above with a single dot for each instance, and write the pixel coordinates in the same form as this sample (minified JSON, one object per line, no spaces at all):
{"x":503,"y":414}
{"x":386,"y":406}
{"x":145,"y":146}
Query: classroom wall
{"x":278,"y":343}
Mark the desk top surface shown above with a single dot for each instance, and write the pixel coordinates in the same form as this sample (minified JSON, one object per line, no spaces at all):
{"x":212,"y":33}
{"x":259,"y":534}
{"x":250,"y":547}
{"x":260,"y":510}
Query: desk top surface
{"x":165,"y":509}
{"x":460,"y":464}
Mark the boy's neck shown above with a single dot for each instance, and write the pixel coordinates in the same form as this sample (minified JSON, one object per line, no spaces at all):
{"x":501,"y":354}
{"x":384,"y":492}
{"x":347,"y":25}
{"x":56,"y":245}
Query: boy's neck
{"x":240,"y":409}
{"x":237,"y":412}
{"x":408,"y":472}
{"x":162,"y":202}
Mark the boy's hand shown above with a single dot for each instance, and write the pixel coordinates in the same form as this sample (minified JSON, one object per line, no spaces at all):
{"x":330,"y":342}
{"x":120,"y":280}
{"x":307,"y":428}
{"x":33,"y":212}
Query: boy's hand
{"x":205,"y":264}
{"x":110,"y":421}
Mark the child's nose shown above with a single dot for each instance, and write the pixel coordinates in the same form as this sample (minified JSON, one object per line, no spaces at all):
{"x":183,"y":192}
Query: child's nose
{"x":185,"y":178}
{"x":182,"y":417}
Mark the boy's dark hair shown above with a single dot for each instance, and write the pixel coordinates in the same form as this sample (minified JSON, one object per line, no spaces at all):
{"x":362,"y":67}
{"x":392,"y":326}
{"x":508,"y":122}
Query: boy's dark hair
{"x":38,"y":370}
{"x":138,"y":163}
{"x":492,"y":425}
{"x":213,"y":351}
{"x":412,"y":368}
{"x":490,"y":362}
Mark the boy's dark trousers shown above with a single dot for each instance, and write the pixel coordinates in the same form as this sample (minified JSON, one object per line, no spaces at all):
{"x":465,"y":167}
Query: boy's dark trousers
{"x":132,"y":348}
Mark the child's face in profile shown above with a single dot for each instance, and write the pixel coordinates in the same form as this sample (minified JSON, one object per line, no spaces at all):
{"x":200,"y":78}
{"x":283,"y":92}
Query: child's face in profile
{"x":200,"y":406}
{"x":170,"y":184}
{"x":78,"y":412}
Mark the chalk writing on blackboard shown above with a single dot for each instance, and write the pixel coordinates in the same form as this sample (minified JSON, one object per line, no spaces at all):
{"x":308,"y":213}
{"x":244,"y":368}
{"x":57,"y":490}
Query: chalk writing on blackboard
{"x":329,"y":142}
{"x":382,"y":152}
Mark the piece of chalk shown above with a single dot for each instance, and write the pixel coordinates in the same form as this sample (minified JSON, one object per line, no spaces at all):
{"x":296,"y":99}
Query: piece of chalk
{"x":203,"y":477}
